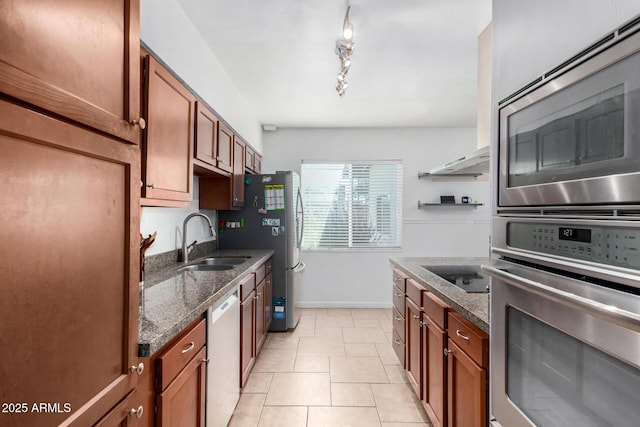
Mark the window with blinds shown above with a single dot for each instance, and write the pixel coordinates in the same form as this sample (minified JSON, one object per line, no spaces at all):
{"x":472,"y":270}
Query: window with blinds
{"x":352,"y":205}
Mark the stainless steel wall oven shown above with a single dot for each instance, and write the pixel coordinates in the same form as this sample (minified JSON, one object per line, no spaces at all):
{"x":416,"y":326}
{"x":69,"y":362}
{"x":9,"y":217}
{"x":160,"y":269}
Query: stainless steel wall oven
{"x":565,"y":268}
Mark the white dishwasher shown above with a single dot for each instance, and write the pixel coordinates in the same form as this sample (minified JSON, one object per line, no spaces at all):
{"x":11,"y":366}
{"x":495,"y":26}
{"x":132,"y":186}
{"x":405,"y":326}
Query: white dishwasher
{"x":223,"y":352}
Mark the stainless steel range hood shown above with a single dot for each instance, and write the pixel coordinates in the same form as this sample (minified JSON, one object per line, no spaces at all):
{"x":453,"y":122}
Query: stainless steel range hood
{"x":475,"y":163}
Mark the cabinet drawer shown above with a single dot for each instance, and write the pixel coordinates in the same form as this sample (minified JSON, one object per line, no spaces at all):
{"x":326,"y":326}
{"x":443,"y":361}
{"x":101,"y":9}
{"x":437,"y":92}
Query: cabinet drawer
{"x":176,"y":357}
{"x":267,"y":266}
{"x":414,"y":292}
{"x":261,"y":273}
{"x":398,"y":299}
{"x":436,"y":309}
{"x":399,"y":279}
{"x":469,"y":338}
{"x":247,"y":285}
{"x":398,"y":324}
{"x":398,"y":348}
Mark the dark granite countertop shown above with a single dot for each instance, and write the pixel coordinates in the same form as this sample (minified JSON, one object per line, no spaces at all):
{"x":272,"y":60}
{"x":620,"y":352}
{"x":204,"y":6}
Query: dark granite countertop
{"x":473,"y":306}
{"x":171,"y":300}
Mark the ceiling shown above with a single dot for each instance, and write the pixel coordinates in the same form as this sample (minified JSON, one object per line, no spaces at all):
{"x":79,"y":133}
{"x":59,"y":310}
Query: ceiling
{"x":414,"y":62}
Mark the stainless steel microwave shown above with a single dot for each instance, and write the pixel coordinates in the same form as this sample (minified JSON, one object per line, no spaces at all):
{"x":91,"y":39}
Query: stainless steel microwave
{"x":574,"y":138}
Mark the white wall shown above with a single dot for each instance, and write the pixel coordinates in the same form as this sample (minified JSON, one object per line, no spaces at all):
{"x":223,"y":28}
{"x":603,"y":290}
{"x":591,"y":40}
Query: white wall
{"x":346,"y":279}
{"x":167,"y":30}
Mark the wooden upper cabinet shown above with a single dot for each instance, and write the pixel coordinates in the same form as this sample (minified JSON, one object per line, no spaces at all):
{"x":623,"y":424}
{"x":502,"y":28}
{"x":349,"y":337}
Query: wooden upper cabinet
{"x":206,"y":138}
{"x":249,"y":159}
{"x":257,"y":161}
{"x":225,"y":148}
{"x":167,"y":167}
{"x":237,"y":188}
{"x":69,"y":267}
{"x":75,"y":58}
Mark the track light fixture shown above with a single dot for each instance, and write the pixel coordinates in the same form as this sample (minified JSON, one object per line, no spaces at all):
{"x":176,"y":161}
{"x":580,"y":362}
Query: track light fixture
{"x":344,"y":49}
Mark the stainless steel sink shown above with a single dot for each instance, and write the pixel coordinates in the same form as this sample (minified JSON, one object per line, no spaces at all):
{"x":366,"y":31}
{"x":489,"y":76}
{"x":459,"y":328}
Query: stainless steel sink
{"x":222,"y":261}
{"x":206,"y":267}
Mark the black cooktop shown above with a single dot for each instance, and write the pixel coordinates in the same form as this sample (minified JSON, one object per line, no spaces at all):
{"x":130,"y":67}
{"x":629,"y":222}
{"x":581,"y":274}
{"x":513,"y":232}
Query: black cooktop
{"x":469,"y":278}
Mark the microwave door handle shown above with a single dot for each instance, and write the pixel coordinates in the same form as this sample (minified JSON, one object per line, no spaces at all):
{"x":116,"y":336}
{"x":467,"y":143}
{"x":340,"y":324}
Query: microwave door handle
{"x":609,"y":313}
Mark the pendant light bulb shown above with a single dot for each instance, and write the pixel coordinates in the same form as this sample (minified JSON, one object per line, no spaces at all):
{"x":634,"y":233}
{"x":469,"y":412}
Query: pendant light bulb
{"x":347,"y":31}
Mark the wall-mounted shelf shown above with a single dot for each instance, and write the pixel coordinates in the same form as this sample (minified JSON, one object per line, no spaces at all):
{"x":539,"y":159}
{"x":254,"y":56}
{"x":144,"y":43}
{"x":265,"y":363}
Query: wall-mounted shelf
{"x":423,"y":174}
{"x":421,"y":205}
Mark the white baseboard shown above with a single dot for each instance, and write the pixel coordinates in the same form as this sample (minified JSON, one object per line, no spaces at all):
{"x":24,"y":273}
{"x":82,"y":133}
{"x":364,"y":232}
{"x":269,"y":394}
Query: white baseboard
{"x":343,"y":304}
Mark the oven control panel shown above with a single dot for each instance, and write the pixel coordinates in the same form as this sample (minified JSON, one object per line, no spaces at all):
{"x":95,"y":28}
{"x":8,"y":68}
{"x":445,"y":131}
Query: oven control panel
{"x":616,"y":246}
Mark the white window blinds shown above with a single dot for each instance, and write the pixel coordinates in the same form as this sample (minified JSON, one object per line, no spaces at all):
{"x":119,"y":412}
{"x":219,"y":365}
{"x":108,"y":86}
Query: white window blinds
{"x":352,"y":205}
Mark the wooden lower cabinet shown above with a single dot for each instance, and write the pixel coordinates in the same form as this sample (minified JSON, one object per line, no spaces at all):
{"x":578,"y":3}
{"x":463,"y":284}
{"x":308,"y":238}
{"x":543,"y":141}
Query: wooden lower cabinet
{"x":467,"y":390}
{"x":182,"y":403}
{"x":434,"y":389}
{"x":467,"y":366}
{"x":445,"y":356}
{"x":247,"y":347}
{"x":180,"y":379}
{"x":413,"y":338}
{"x":261,"y":332}
{"x":399,"y":308}
{"x":128,"y":413}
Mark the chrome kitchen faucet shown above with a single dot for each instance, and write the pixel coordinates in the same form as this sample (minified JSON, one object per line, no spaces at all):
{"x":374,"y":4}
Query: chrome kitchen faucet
{"x":185,"y":249}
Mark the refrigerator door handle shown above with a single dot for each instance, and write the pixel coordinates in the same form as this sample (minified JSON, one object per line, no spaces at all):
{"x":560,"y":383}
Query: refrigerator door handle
{"x":301,"y":219}
{"x":301,"y":266}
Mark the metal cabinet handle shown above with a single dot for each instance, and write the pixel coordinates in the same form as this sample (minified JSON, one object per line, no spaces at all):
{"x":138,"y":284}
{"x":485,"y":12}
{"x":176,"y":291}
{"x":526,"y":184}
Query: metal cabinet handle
{"x":447,"y":352}
{"x":422,"y":324}
{"x":459,"y":334}
{"x":397,"y":341}
{"x":397,"y":318}
{"x":137,"y":369}
{"x":137,"y":412}
{"x":152,"y":185}
{"x":188,"y":348}
{"x":139,"y":122}
{"x":398,"y":294}
{"x":416,"y":317}
{"x":205,"y":361}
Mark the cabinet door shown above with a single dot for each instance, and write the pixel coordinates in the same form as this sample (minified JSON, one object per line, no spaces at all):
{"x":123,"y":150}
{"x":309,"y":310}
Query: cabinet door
{"x":78,"y":59}
{"x":434,"y":394}
{"x":413,"y":337}
{"x":69,"y":268}
{"x":249,"y":159}
{"x":182,"y":403}
{"x":257,"y":163}
{"x":260,"y":316}
{"x":128,"y":413}
{"x":268,"y":301}
{"x":247,"y":352}
{"x":168,"y":141}
{"x":206,"y":138}
{"x":238,"y":173}
{"x":467,"y":390}
{"x":225,"y":148}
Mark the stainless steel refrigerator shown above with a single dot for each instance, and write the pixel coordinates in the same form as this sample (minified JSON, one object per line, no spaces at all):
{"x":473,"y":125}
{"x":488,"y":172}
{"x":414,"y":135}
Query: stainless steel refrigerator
{"x":272,"y":218}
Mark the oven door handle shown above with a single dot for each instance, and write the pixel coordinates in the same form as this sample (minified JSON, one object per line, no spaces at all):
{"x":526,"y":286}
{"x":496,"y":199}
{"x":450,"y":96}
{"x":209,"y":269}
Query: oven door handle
{"x":605,"y":312}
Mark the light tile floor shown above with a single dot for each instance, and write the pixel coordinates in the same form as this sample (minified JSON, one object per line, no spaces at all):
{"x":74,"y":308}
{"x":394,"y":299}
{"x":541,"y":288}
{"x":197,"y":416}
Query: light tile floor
{"x":337,"y":368}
